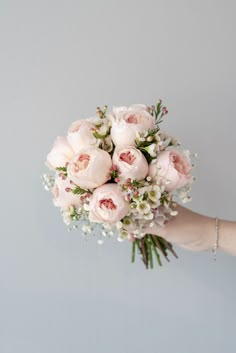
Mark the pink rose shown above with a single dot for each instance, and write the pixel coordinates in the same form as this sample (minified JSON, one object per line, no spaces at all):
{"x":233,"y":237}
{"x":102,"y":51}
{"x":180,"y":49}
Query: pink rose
{"x":107,"y":204}
{"x":172,"y":168}
{"x":60,"y":154}
{"x":62,"y":198}
{"x":131,"y":163}
{"x":128,"y":121}
{"x":80,"y":135}
{"x":90,"y":167}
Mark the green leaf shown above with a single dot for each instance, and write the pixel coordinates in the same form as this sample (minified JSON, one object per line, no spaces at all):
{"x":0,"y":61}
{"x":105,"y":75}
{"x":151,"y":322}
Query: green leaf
{"x":78,"y":191}
{"x":146,"y":155}
{"x":99,"y":136}
{"x":153,"y":131}
{"x":62,"y":169}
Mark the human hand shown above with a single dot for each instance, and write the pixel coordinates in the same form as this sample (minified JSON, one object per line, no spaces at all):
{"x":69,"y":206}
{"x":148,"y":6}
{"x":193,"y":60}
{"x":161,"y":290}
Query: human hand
{"x":188,"y":229}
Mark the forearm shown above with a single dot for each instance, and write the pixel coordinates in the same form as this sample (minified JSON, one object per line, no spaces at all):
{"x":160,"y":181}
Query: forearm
{"x":205,"y":228}
{"x":227,"y":236}
{"x":197,"y":232}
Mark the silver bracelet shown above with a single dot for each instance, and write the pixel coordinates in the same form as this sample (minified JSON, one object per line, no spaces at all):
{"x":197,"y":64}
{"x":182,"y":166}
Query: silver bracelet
{"x":216,"y":244}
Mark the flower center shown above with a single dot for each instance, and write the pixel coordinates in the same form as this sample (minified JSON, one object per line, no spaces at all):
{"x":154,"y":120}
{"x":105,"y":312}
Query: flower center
{"x":142,"y":206}
{"x":152,"y":193}
{"x":179,"y":164}
{"x":127,"y":157}
{"x":82,"y":162}
{"x":108,"y":204}
{"x":134,"y":119}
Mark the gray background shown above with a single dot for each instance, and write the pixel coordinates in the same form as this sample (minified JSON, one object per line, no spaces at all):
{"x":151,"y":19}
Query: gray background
{"x":59,"y":60}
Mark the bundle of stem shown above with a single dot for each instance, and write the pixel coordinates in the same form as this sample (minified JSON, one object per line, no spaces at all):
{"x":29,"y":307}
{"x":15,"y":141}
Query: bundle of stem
{"x":150,"y":246}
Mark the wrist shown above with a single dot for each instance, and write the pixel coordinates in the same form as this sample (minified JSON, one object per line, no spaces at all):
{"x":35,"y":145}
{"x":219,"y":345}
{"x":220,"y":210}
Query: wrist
{"x":208,"y":233}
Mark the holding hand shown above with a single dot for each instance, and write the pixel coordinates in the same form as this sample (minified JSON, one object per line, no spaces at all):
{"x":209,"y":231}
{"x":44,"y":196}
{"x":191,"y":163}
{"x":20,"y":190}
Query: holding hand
{"x":197,"y":232}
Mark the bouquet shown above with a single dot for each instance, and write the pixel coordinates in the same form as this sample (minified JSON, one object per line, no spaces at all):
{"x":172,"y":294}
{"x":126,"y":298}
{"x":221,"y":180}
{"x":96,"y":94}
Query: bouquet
{"x":120,"y":171}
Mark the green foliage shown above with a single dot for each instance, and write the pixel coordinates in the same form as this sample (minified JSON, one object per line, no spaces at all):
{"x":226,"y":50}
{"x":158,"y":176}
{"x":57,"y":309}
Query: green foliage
{"x":100,"y":136}
{"x":102,"y":112}
{"x":149,"y":246}
{"x":146,"y":154}
{"x":114,"y":174}
{"x":78,"y":191}
{"x":136,"y":183}
{"x":158,"y":111}
{"x":62,"y":170}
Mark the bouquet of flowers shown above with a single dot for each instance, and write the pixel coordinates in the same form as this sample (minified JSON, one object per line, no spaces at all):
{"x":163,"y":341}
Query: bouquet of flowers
{"x":120,"y":171}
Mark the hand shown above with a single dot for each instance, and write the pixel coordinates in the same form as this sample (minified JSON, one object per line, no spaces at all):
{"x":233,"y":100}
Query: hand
{"x":188,"y":229}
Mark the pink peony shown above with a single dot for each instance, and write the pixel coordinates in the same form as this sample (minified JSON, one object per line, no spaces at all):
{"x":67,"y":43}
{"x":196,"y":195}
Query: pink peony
{"x":107,"y":204}
{"x":90,"y":167}
{"x":128,"y":121}
{"x":131,"y":163}
{"x":62,"y":198}
{"x":80,"y":135}
{"x":60,"y":154}
{"x":172,"y":168}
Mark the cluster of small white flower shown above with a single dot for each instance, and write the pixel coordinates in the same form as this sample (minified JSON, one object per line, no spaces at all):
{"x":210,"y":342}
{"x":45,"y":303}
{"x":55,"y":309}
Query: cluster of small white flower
{"x":149,"y":204}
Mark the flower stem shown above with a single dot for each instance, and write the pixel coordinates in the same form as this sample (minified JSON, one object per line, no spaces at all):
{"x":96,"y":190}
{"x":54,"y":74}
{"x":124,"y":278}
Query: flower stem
{"x":144,"y":252}
{"x":133,"y":251}
{"x":169,"y":247}
{"x":160,"y":246}
{"x":149,"y":248}
{"x":156,"y":252}
{"x":147,"y":245}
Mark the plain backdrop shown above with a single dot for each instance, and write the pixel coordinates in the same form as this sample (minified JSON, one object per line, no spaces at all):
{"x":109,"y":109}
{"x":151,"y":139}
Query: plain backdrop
{"x":59,"y":60}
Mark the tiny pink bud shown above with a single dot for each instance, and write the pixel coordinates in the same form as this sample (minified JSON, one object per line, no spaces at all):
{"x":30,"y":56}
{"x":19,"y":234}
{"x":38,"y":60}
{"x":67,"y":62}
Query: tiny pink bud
{"x":127,"y":197}
{"x":68,"y":189}
{"x":164,"y":110}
